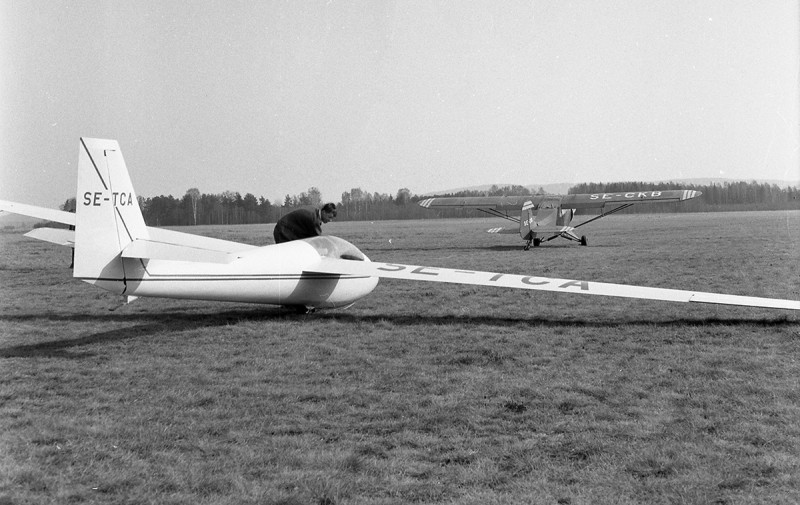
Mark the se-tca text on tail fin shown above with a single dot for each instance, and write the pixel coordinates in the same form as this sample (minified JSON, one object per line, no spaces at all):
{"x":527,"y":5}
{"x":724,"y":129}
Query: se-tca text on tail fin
{"x":108,"y":217}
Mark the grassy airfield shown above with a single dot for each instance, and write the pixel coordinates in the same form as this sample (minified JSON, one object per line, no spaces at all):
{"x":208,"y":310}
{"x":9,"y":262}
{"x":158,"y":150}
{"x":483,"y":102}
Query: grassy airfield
{"x":420,"y":392}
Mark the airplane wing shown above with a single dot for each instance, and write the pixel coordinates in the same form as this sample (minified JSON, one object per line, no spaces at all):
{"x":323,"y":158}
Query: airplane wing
{"x":478,"y":278}
{"x":499,"y":203}
{"x":584,"y":201}
{"x":58,"y":216}
{"x":600,"y":200}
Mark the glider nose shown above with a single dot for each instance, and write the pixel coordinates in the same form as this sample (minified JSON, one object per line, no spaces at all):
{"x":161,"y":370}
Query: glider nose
{"x":340,"y":290}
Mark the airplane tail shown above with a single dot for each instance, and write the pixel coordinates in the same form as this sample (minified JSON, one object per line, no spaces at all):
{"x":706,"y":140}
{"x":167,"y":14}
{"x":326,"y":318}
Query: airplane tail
{"x":545,"y":224}
{"x":108,"y":217}
{"x":526,"y":219}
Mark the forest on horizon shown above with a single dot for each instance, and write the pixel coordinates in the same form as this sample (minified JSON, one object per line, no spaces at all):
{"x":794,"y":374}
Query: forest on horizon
{"x":228,"y":207}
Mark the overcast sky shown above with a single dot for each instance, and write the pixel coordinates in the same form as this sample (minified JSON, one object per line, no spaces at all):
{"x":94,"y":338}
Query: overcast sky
{"x":272,"y":98}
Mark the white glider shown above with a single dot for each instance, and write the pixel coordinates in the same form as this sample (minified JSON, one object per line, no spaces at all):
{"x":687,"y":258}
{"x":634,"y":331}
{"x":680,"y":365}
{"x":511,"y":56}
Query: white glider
{"x":116,"y":251}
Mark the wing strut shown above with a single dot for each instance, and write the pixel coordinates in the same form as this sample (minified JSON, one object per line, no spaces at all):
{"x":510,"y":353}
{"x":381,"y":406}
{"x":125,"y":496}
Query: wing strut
{"x":497,"y":213}
{"x":604,"y":214}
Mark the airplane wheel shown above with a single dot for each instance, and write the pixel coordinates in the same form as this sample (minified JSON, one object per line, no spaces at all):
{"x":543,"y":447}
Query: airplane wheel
{"x":301,"y":309}
{"x":583,"y":240}
{"x":537,"y":242}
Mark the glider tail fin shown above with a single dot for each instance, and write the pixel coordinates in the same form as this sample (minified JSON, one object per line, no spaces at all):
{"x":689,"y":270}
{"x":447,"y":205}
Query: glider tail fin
{"x":108,"y":217}
{"x":526,"y":220}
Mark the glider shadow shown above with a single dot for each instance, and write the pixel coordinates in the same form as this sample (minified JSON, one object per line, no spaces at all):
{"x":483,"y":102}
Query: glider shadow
{"x":150,"y":324}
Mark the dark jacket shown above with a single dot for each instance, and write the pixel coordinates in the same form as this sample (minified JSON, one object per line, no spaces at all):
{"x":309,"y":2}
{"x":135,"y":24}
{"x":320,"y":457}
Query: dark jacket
{"x":300,"y":223}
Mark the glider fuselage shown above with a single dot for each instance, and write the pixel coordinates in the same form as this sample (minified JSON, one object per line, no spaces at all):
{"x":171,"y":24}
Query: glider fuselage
{"x":276,"y":274}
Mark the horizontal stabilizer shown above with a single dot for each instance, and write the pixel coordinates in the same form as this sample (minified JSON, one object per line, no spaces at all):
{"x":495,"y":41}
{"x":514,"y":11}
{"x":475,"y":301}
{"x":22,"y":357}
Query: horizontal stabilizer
{"x":503,"y":231}
{"x":58,"y":236}
{"x":58,"y":216}
{"x":148,"y":249}
{"x":477,"y":278}
{"x":197,"y":241}
{"x":552,"y":229}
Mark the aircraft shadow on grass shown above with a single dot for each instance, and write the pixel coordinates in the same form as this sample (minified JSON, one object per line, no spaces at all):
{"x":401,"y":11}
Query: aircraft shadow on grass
{"x":557,"y":247}
{"x":182,"y":321}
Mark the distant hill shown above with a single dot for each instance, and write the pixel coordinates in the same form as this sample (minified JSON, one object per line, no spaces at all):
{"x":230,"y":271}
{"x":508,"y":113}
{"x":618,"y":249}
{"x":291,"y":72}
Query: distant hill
{"x":722,"y":181}
{"x":558,"y":188}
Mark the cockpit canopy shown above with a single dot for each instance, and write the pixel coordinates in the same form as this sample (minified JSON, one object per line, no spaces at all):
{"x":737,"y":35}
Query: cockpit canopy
{"x":329,"y":246}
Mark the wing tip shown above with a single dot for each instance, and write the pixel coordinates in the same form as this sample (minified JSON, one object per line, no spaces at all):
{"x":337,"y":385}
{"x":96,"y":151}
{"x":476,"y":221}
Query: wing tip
{"x":744,"y":301}
{"x":688,"y":194}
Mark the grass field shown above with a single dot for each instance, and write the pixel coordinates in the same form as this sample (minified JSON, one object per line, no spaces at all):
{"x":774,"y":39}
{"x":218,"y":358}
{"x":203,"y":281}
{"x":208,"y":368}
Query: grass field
{"x":420,"y":393}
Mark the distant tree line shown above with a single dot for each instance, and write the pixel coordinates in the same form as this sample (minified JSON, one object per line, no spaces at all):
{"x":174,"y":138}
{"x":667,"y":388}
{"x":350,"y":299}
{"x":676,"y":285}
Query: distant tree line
{"x":228,"y":207}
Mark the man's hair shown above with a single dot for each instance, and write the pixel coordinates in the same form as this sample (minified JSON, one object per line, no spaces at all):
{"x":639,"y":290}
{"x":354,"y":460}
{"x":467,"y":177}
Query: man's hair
{"x":330,"y":207}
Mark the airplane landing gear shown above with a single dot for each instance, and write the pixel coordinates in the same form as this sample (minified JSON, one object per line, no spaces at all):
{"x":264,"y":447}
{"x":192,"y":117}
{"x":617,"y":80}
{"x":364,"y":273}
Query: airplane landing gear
{"x":301,"y":309}
{"x":536,"y":243}
{"x":583,"y":240}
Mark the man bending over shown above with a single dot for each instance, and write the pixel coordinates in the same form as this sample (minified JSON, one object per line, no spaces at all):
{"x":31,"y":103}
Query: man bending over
{"x":303,"y":223}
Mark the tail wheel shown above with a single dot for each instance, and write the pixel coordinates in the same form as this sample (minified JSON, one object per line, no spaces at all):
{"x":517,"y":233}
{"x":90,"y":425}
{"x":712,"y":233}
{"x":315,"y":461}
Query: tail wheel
{"x":583,"y":240}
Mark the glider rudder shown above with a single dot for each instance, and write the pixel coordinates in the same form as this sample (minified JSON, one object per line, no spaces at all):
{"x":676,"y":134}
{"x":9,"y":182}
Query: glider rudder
{"x":108,"y":217}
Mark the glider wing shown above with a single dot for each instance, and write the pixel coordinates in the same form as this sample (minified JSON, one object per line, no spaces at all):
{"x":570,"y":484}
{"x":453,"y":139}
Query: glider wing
{"x":58,"y":236}
{"x":148,"y":249}
{"x":163,"y":243}
{"x":196,"y":241}
{"x":478,"y":278}
{"x":58,"y":216}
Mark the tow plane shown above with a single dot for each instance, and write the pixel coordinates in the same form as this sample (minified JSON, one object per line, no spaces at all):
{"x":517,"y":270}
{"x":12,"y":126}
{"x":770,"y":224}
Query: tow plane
{"x":545,"y":217}
{"x":116,"y":251}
